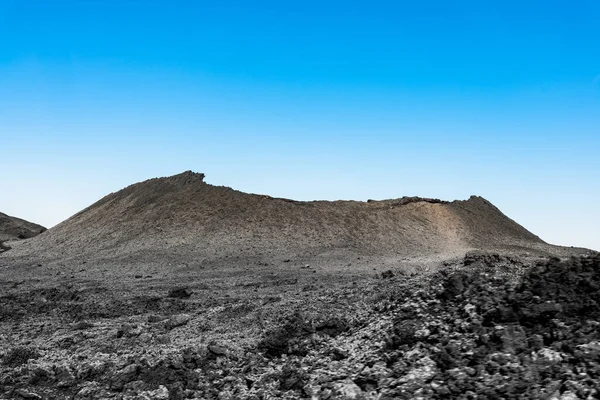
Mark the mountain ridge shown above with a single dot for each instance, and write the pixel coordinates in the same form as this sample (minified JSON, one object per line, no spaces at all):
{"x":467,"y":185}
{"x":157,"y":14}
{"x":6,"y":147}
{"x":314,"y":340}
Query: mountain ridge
{"x":184,"y":215}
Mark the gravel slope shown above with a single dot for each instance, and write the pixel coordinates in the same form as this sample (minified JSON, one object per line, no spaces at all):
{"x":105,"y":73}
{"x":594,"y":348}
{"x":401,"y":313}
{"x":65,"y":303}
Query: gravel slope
{"x":182,"y":218}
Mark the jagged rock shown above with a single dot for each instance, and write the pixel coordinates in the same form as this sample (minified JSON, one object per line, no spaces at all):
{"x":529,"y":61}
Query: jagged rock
{"x":65,"y":377}
{"x":19,"y":356}
{"x":91,"y":370}
{"x":177,"y":320}
{"x":129,"y":330}
{"x":387,"y":274}
{"x":455,"y":285}
{"x":217,"y":350}
{"x":424,"y":370}
{"x":4,"y":247}
{"x":134,"y":386}
{"x":89,"y":390}
{"x":591,"y":349}
{"x":82,"y":325}
{"x":162,"y":393}
{"x":347,"y":389}
{"x":180,"y":293}
{"x":332,"y":326}
{"x":39,"y":374}
{"x":283,"y":339}
{"x":27,"y":395}
{"x":155,"y":318}
{"x":568,"y":395}
{"x":513,"y":338}
{"x":548,"y":355}
{"x":146,"y":337}
{"x":292,"y":378}
{"x":339,"y":354}
{"x":124,"y":376}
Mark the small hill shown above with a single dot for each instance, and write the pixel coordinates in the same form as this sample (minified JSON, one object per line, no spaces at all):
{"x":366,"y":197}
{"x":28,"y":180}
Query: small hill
{"x":12,"y":228}
{"x":183,"y":218}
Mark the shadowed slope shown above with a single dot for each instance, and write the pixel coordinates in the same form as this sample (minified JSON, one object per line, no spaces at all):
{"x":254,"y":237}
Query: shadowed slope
{"x":182,"y":216}
{"x":12,"y":228}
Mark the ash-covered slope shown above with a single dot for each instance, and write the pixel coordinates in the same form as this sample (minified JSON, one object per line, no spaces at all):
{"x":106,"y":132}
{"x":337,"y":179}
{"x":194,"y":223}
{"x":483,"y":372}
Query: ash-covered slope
{"x":12,"y":228}
{"x":182,"y":217}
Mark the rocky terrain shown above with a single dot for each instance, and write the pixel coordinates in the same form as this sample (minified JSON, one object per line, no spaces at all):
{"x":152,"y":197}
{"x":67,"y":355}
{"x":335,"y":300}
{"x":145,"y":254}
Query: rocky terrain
{"x":173,"y":288}
{"x":488,"y":327}
{"x":12,"y":228}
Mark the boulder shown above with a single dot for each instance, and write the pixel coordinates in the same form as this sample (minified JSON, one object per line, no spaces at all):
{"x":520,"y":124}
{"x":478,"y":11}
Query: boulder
{"x":180,"y":293}
{"x":177,"y":320}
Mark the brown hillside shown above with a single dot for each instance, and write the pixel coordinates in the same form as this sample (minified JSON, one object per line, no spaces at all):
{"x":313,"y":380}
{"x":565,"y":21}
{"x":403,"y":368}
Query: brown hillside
{"x":182,"y":217}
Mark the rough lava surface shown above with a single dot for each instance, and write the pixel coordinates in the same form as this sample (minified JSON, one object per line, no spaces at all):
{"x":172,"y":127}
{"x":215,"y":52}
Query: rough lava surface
{"x":488,"y":327}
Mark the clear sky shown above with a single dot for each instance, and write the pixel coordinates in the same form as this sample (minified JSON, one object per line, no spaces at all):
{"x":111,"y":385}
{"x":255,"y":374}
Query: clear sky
{"x":307,"y":100}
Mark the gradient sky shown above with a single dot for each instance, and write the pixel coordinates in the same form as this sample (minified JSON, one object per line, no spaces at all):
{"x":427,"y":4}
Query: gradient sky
{"x":307,"y":100}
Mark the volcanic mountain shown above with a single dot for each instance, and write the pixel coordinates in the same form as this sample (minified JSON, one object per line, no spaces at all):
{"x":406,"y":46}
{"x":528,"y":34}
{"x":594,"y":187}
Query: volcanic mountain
{"x":12,"y":228}
{"x":183,"y":218}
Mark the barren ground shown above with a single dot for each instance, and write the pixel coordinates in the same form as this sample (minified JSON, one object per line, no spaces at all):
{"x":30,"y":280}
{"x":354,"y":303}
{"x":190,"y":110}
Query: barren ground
{"x":147,"y":296}
{"x":485,"y":325}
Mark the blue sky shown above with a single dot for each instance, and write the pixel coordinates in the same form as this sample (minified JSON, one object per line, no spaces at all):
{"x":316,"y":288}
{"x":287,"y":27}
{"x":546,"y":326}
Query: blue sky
{"x":311,"y":100}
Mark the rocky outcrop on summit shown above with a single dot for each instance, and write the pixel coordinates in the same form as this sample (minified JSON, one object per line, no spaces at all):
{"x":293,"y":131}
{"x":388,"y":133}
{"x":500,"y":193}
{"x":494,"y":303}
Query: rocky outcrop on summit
{"x":182,"y":217}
